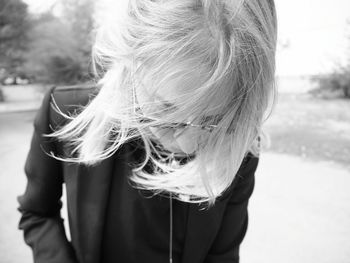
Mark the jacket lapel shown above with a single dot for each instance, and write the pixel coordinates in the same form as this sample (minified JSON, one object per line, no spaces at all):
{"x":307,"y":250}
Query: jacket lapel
{"x":92,"y":200}
{"x":202,"y":227}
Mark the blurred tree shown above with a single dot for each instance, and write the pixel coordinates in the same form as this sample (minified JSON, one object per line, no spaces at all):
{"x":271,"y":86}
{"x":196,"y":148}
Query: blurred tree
{"x":336,"y":82}
{"x":50,"y":39}
{"x":60,"y":50}
{"x":332,"y":84}
{"x":14,"y":29}
{"x":80,"y":16}
{"x":284,"y":44}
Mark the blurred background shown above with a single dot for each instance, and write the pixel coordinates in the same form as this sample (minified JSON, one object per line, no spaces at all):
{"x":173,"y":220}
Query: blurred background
{"x":300,"y":209}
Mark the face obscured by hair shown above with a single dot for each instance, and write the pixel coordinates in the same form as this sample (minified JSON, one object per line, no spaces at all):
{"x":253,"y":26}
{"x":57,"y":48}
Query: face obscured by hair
{"x":179,"y":140}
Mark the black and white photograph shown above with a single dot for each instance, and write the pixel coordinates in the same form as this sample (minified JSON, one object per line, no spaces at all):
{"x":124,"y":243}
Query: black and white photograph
{"x":174,"y":131}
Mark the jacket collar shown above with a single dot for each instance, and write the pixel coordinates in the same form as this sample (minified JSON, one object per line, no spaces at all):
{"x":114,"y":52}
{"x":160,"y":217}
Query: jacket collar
{"x":91,"y":206}
{"x":202,"y":226}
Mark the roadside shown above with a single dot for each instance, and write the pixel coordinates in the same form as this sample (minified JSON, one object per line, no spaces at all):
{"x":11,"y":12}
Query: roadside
{"x":9,"y":107}
{"x":299,"y":212}
{"x":15,"y":134}
{"x":312,"y":128}
{"x":20,"y":98}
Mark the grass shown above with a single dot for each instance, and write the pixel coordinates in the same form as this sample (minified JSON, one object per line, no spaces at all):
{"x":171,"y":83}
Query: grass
{"x":311,"y":127}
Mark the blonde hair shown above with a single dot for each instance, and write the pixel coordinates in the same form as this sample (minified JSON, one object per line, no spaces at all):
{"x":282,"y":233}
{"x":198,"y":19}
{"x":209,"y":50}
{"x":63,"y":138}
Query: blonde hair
{"x":224,"y":49}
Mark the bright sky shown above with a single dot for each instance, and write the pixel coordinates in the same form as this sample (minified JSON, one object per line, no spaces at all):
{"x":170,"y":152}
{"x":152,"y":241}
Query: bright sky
{"x":315,"y":30}
{"x":38,"y":6}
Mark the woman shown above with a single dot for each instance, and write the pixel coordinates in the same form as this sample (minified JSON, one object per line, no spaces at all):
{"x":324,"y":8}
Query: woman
{"x":159,"y":157}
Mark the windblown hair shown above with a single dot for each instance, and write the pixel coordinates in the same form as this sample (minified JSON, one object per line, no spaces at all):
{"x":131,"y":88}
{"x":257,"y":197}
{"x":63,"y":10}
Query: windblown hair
{"x":223,"y":48}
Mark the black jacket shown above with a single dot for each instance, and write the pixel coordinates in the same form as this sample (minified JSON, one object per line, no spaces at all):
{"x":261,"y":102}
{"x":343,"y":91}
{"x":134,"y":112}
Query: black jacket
{"x":212,"y":235}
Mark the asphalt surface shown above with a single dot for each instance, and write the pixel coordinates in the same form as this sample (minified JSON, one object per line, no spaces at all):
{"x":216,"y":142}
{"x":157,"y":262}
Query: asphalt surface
{"x":299,"y":210}
{"x":15,"y":134}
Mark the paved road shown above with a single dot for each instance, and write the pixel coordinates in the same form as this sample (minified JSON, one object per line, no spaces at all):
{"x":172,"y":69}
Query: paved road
{"x":15,"y":134}
{"x":299,"y":211}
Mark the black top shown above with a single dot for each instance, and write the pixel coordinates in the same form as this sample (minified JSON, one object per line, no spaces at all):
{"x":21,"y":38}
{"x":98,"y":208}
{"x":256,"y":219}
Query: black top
{"x":212,"y":235}
{"x":137,"y":226}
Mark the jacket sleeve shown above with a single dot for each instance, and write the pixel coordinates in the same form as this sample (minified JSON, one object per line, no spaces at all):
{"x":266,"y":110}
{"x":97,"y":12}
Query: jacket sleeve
{"x":235,"y":220}
{"x":40,"y":205}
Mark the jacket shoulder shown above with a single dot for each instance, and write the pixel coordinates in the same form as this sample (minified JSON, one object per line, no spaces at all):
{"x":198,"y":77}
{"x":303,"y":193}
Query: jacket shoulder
{"x":70,"y":96}
{"x":70,"y":100}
